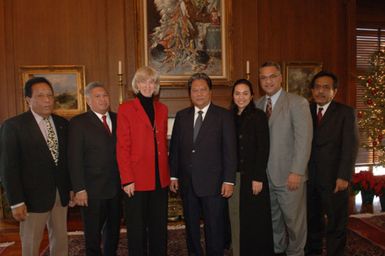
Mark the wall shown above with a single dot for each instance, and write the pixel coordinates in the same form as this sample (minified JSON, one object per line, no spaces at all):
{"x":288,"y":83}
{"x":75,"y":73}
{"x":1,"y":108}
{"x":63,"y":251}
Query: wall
{"x":98,"y":33}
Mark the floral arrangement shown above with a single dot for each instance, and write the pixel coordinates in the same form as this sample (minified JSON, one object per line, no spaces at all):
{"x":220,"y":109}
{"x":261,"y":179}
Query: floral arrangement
{"x":364,"y":180}
{"x":379,"y":187}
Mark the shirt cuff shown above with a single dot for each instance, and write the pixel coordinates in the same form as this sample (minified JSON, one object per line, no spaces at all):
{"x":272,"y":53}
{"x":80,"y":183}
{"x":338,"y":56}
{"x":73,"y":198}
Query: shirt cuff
{"x":17,"y":205}
{"x":173,"y":178}
{"x":229,"y":183}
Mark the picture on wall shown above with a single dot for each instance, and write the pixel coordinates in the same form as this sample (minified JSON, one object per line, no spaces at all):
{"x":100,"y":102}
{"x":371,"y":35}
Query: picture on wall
{"x":298,"y":76}
{"x":68,"y":82}
{"x":182,"y":37}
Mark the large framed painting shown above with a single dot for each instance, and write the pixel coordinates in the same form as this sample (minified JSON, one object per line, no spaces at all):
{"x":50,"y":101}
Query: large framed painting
{"x":298,"y":76}
{"x":68,"y":82}
{"x":182,"y":37}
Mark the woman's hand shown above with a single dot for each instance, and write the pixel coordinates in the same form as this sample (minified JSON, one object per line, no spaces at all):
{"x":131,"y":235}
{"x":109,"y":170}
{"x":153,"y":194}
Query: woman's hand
{"x":129,"y":189}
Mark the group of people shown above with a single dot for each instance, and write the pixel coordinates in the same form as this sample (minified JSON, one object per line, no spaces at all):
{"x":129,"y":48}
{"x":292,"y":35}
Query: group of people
{"x":272,"y":169}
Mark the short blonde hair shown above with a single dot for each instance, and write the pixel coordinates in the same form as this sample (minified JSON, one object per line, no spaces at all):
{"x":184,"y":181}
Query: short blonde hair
{"x":143,"y":74}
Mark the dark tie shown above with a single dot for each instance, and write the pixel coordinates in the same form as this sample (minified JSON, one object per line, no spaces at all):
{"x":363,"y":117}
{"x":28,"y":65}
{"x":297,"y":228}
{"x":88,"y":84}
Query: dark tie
{"x":198,"y":124}
{"x":269,"y":107}
{"x":104,"y":117}
{"x":52,"y":141}
{"x":319,"y":116}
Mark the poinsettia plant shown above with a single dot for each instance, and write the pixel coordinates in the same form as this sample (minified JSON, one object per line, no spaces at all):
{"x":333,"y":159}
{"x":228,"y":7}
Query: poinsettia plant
{"x":364,"y":180}
{"x":379,"y":187}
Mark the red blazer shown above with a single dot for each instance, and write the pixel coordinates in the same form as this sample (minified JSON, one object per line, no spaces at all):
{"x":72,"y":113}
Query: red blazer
{"x":135,"y":145}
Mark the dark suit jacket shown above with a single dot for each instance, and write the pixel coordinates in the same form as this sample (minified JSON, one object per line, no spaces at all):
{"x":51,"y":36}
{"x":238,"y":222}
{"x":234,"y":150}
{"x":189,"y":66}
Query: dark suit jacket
{"x":335,"y":144}
{"x":92,"y":156}
{"x":28,"y":171}
{"x":212,"y":160}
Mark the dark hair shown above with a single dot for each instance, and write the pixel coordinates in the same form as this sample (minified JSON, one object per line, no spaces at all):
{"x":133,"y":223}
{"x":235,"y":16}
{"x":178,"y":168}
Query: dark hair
{"x":322,"y":74}
{"x":271,"y":64}
{"x":199,"y":76}
{"x":31,"y":82}
{"x":234,"y":106}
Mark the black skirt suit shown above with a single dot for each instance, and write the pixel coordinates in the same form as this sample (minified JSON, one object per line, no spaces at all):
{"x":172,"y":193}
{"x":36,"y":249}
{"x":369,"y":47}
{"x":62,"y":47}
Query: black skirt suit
{"x":256,"y":235}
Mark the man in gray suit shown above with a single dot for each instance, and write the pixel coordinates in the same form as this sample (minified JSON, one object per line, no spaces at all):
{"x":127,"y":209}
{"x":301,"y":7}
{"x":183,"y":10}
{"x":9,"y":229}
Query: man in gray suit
{"x":290,"y":144}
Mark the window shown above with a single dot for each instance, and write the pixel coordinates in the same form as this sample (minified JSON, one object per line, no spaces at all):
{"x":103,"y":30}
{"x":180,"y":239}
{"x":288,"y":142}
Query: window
{"x":368,"y":41}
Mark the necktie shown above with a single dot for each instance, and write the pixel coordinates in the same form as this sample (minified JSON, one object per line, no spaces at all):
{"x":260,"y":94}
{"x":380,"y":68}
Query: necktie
{"x":269,"y":107}
{"x":319,"y":116}
{"x":198,"y":124}
{"x":104,"y":117}
{"x":52,"y":141}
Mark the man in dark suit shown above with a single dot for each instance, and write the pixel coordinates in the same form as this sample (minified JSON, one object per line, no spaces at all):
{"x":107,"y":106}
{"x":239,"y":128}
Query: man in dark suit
{"x":333,"y":155}
{"x":203,"y":162}
{"x":34,"y":172}
{"x":94,"y":171}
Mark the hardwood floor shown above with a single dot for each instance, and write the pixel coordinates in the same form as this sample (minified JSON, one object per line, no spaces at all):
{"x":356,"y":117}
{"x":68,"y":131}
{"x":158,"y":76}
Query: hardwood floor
{"x":9,"y":230}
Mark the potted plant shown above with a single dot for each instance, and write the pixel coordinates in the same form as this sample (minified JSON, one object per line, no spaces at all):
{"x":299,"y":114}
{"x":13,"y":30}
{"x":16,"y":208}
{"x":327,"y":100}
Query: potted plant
{"x":364,"y":182}
{"x":379,"y":190}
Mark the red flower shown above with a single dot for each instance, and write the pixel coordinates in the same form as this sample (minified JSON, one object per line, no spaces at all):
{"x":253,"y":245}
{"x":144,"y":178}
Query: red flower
{"x":379,"y":188}
{"x":364,"y":180}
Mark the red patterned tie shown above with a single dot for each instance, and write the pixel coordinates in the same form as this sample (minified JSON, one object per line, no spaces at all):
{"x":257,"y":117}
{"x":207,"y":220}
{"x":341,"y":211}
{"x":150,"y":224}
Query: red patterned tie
{"x":104,"y":117}
{"x":269,"y":108}
{"x":319,"y":116}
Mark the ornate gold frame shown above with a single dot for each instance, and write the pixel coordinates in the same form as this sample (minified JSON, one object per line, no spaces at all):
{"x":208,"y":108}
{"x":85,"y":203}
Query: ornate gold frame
{"x":170,"y":78}
{"x":68,"y":82}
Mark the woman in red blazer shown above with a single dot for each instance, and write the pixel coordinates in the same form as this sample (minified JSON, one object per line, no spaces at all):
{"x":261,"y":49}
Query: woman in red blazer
{"x":143,"y":165}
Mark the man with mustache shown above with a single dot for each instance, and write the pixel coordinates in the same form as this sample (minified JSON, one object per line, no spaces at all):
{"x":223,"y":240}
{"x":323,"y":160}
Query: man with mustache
{"x":333,"y":155}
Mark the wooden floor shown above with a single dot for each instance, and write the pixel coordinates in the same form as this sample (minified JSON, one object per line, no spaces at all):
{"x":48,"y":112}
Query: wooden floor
{"x":9,"y":230}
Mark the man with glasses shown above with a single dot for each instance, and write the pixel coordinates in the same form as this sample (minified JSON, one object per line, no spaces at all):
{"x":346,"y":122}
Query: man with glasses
{"x":333,"y":155}
{"x":290,"y":143}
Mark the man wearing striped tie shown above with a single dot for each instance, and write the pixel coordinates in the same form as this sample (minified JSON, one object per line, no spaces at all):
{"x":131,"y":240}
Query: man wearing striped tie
{"x":33,"y":170}
{"x":290,"y":143}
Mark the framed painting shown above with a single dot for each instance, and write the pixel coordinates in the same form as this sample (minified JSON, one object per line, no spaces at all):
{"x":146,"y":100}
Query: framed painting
{"x":181,"y":37}
{"x":298,"y":76}
{"x":68,"y":83}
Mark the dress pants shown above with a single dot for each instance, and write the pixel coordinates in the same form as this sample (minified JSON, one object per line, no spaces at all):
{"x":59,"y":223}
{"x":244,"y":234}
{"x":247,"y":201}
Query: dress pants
{"x":322,"y":200}
{"x":288,"y":211}
{"x":101,"y":221}
{"x":32,"y":230}
{"x":212,"y":209}
{"x":146,"y":220}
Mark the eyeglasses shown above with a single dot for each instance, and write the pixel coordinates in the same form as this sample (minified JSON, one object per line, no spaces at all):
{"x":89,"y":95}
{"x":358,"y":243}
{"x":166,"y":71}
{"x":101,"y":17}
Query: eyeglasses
{"x":271,"y":77}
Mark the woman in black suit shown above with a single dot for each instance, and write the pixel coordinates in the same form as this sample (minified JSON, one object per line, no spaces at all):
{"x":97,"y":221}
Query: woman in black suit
{"x":253,"y":213}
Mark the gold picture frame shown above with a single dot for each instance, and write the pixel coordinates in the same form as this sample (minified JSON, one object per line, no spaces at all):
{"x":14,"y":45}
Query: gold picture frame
{"x":298,"y":75}
{"x":180,"y":38}
{"x":68,"y":82}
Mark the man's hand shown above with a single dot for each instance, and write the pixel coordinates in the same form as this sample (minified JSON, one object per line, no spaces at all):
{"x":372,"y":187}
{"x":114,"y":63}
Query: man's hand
{"x":72,"y":202}
{"x":227,"y":190}
{"x":293,"y":181}
{"x":129,"y":189}
{"x":20,"y":213}
{"x":256,"y":187}
{"x":81,"y":198}
{"x":341,"y":185}
{"x":174,"y":186}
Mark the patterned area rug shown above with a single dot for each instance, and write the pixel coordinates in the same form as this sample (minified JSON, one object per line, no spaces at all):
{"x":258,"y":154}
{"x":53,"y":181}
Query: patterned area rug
{"x":357,"y":245}
{"x":371,"y":228}
{"x":176,"y":243}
